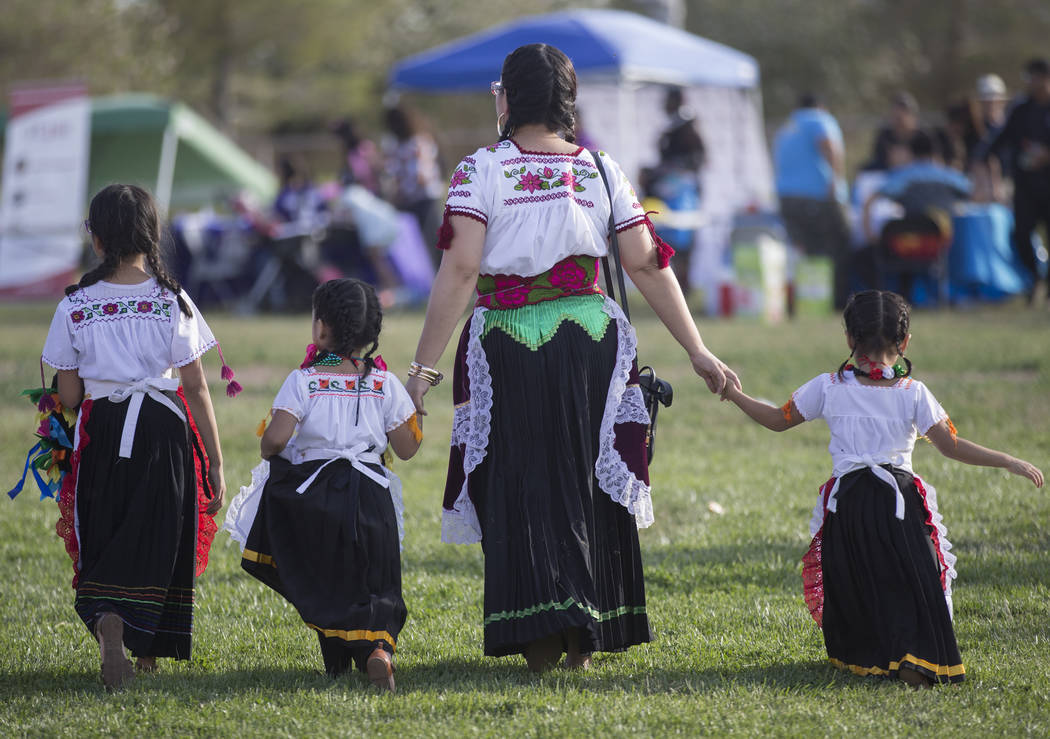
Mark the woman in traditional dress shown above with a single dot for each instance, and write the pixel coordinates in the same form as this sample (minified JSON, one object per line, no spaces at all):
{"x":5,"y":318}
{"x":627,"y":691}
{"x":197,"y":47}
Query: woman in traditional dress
{"x":548,"y":467}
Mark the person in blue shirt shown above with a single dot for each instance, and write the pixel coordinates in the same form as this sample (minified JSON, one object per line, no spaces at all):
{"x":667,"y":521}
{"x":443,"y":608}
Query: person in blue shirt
{"x":808,"y":156}
{"x":923,"y":188}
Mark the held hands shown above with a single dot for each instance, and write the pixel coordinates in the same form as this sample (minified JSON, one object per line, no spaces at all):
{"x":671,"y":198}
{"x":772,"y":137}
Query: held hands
{"x":417,"y":388}
{"x":719,"y":378}
{"x":1024,"y":469}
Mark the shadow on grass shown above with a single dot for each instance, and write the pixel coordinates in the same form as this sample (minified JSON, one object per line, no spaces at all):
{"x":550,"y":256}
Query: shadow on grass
{"x":457,"y":676}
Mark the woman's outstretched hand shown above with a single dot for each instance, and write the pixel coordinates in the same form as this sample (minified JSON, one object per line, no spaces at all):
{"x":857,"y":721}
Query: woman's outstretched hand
{"x":719,"y":378}
{"x":417,"y":388}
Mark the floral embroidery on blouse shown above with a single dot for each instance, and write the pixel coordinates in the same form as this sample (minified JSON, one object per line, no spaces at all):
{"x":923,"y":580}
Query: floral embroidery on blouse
{"x":462,"y":175}
{"x":546,"y":178}
{"x":350,"y":386}
{"x":117,"y":309}
{"x":499,"y":145}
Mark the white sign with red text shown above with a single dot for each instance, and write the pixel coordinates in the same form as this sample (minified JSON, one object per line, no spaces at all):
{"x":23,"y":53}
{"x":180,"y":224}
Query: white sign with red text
{"x":42,"y":190}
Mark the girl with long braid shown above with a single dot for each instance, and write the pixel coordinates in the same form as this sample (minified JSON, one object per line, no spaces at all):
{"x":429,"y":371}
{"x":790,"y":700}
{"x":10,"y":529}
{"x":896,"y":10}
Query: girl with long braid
{"x":147,"y":466}
{"x":878,"y":574}
{"x":321,"y":522}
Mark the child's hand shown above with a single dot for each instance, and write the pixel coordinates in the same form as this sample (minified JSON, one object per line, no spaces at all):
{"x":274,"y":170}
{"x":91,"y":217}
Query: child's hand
{"x":417,"y":388}
{"x":1024,"y":469}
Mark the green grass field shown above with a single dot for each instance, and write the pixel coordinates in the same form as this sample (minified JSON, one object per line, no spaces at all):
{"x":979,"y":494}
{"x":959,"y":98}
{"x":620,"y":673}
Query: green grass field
{"x":735,"y":652}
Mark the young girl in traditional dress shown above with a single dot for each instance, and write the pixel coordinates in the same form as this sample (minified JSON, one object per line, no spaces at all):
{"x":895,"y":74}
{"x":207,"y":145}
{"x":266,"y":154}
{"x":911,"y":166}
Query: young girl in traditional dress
{"x":147,"y":467}
{"x":321,"y":522}
{"x":878,"y":573}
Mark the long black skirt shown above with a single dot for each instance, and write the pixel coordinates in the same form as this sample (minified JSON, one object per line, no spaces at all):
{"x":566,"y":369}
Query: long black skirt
{"x":137,"y":527}
{"x":559,"y":552}
{"x":333,"y":553}
{"x":884,"y":604}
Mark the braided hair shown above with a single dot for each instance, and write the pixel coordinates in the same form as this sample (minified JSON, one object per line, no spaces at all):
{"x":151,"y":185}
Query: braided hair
{"x":125,"y":220}
{"x":876,"y":320}
{"x":540,"y":83}
{"x":350,"y":310}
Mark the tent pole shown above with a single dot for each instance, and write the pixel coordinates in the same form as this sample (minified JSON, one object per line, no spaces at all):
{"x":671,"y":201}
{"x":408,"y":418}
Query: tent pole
{"x":166,"y":169}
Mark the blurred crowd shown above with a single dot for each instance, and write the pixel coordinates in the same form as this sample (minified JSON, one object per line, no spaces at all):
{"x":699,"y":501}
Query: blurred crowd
{"x":374,"y":221}
{"x":896,"y":219}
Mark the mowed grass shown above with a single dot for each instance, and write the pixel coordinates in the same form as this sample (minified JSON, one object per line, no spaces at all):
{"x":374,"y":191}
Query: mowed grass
{"x":735,"y":652}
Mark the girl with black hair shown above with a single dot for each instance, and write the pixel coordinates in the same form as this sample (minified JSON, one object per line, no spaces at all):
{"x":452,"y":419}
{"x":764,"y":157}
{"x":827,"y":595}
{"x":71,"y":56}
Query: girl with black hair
{"x":548,"y":468}
{"x":147,"y":465}
{"x":321,"y":522}
{"x":878,"y":574}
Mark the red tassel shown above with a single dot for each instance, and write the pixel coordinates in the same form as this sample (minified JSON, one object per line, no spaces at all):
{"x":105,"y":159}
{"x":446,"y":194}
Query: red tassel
{"x":664,"y":251}
{"x":445,"y":233}
{"x":233,"y":387}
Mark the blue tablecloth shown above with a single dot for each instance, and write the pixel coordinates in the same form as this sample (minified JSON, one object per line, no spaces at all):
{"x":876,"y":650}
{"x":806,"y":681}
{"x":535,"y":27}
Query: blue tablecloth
{"x":982,"y":263}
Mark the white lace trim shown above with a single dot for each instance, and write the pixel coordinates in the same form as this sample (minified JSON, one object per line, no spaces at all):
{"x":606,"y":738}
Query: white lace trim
{"x":613,"y":475}
{"x":945,"y":546}
{"x":471,"y":424}
{"x":241,"y":514}
{"x":399,"y":505}
{"x":632,"y":409}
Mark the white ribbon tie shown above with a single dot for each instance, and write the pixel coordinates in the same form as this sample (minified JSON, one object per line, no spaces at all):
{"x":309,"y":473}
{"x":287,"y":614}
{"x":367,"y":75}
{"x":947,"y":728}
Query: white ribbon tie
{"x":852,"y":463}
{"x":358,"y":456}
{"x":155,"y":387}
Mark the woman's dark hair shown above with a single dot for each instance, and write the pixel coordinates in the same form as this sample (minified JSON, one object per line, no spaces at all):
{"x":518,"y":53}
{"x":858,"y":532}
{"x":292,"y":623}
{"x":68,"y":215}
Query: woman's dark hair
{"x":403,"y":122}
{"x":540,"y":84}
{"x":125,"y":220}
{"x":350,"y":310}
{"x":876,"y":320}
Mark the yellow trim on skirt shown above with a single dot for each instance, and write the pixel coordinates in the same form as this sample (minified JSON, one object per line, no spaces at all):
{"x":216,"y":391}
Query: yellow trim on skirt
{"x":355,"y":634}
{"x":939,"y":670}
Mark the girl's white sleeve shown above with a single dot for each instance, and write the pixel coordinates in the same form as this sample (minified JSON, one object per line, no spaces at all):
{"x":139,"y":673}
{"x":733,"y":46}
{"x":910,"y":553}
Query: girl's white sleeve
{"x":809,"y":399}
{"x":928,"y":412}
{"x":192,"y":337}
{"x":397,"y":403}
{"x":292,"y":396}
{"x":59,"y":351}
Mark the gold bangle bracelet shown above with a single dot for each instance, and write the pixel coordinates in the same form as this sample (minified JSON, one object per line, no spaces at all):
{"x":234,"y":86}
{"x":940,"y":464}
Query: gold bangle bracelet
{"x":427,"y":374}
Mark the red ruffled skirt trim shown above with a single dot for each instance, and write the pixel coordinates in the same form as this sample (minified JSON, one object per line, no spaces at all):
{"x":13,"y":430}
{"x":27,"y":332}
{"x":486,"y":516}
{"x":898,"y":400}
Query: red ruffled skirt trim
{"x":65,"y":528}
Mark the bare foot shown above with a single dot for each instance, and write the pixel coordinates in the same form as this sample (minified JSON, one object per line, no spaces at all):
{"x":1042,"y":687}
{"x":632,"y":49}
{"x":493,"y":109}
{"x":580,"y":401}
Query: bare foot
{"x":543,"y":654}
{"x":913,"y":678}
{"x":574,"y":659}
{"x":116,"y":667}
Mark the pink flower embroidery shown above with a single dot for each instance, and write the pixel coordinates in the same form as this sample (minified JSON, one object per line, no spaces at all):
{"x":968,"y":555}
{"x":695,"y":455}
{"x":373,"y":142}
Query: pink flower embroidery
{"x":145,"y":306}
{"x":510,"y":292}
{"x":531,"y":182}
{"x":568,"y":179}
{"x":568,"y":275}
{"x":458,"y":178}
{"x":110,"y":308}
{"x":77,"y":316}
{"x":548,"y":173}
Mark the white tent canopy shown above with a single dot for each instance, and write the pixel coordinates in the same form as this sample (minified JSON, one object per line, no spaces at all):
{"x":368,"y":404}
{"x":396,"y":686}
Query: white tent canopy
{"x":624,"y":62}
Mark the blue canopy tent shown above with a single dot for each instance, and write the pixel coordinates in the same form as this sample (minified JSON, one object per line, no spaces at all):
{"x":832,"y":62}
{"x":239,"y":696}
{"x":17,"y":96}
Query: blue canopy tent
{"x":624,"y":62}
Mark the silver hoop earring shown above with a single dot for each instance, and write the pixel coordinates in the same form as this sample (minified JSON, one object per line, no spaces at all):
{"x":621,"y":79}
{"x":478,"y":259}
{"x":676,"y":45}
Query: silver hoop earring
{"x":499,"y":124}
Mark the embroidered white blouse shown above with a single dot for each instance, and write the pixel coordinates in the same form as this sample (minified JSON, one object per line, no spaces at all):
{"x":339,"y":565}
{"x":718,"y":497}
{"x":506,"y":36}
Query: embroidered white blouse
{"x":124,"y":333}
{"x":325,"y":403}
{"x":540,"y":208}
{"x":869,"y":422}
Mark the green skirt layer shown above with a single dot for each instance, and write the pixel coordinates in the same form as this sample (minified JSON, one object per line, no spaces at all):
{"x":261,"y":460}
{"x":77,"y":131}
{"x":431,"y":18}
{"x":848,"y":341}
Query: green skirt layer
{"x":534,"y":325}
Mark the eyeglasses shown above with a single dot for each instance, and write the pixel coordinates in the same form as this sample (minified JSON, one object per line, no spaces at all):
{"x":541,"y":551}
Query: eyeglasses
{"x":87,"y":226}
{"x":496,"y":87}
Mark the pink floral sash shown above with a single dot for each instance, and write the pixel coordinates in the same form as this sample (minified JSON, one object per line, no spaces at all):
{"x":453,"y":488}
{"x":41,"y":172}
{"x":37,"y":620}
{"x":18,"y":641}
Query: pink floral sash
{"x":576,"y":275}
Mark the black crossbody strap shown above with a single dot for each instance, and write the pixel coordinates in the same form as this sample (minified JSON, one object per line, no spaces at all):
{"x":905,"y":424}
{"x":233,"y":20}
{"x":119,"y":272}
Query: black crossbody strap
{"x":614,"y":245}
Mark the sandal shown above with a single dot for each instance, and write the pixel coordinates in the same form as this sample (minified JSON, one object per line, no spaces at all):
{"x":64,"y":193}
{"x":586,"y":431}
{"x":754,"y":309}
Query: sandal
{"x":380,"y":670}
{"x":117,"y":671}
